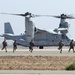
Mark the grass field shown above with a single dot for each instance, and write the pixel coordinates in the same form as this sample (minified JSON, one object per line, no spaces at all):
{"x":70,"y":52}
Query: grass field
{"x":35,"y":62}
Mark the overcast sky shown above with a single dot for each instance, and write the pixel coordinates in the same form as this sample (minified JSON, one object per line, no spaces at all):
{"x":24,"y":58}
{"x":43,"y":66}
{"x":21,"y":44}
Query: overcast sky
{"x":39,"y":7}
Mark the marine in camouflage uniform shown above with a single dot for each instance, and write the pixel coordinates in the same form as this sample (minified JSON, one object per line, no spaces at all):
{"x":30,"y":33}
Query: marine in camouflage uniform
{"x":14,"y":45}
{"x":31,"y":44}
{"x":4,"y":43}
{"x":61,"y":44}
{"x":71,"y":46}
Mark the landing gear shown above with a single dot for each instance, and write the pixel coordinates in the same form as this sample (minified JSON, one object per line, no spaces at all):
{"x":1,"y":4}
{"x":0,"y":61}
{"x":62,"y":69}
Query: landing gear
{"x":40,"y":47}
{"x":30,"y":49}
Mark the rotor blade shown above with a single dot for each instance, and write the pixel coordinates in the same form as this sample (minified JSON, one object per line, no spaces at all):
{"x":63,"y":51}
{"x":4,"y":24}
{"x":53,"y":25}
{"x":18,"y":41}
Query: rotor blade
{"x":14,"y":14}
{"x":42,"y":15}
{"x":47,"y":16}
{"x":70,"y":17}
{"x":56,"y":16}
{"x":67,"y":17}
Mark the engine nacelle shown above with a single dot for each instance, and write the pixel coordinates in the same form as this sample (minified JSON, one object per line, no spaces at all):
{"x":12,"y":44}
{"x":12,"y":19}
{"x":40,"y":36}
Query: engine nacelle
{"x":61,"y":30}
{"x":29,"y":27}
{"x":64,"y":25}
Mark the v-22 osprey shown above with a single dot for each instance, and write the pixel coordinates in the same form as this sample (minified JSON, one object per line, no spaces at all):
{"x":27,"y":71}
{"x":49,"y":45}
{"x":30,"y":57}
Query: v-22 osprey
{"x":40,"y":37}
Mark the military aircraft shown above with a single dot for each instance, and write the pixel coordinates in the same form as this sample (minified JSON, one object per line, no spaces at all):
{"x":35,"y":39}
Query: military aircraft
{"x":40,"y":37}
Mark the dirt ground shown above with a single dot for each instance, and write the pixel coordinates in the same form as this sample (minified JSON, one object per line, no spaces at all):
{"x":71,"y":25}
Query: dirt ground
{"x":35,"y":62}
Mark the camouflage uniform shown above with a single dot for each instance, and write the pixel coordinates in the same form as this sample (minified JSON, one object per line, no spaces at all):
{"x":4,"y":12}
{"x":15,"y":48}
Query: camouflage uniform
{"x":4,"y":43}
{"x":60,"y":46}
{"x":31,"y":46}
{"x":14,"y":45}
{"x":71,"y":46}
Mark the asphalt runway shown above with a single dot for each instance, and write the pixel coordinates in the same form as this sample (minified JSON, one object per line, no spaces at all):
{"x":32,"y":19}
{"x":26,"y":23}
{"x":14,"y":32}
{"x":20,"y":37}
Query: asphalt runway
{"x":47,"y":51}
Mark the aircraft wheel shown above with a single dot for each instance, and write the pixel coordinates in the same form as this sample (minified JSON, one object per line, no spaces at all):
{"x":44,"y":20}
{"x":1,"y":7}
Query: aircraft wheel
{"x":40,"y":47}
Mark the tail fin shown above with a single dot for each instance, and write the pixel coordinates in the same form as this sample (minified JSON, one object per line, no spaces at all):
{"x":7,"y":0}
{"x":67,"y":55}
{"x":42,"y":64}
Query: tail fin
{"x":8,"y":28}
